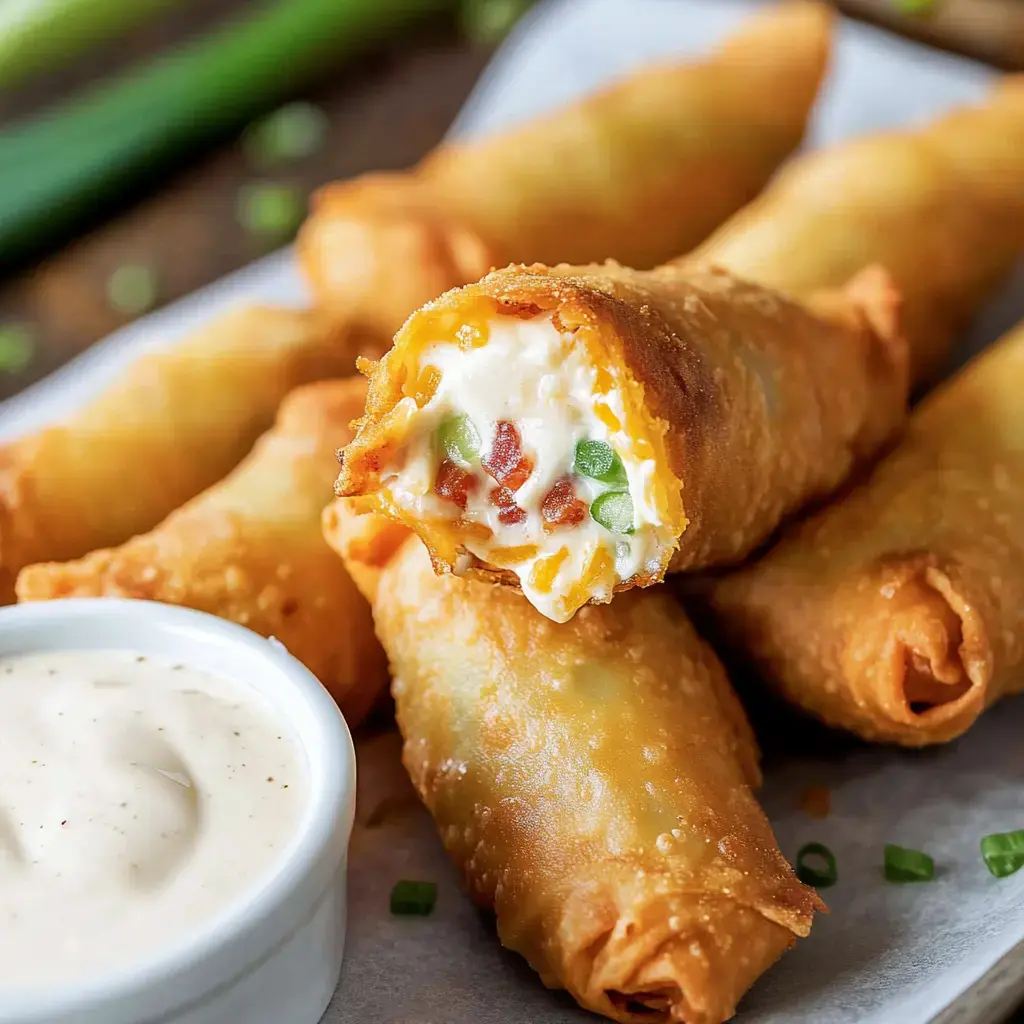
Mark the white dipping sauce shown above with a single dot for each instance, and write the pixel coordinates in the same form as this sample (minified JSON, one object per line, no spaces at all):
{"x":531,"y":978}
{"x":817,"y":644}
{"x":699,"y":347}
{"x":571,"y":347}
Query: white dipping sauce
{"x":139,"y":799}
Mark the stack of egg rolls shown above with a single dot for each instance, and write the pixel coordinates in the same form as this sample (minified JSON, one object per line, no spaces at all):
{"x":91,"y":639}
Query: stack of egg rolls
{"x":250,"y":549}
{"x":639,"y":172}
{"x":720,"y":408}
{"x":898,"y":613}
{"x":940,"y":207}
{"x":592,"y":782}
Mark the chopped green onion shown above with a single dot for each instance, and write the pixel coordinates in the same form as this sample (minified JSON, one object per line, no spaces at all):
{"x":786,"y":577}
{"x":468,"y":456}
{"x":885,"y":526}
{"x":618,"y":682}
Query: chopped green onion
{"x":821,"y":874}
{"x":914,"y":6}
{"x":1003,"y":852}
{"x":903,"y":865}
{"x":460,"y":440}
{"x":488,"y":21}
{"x":17,"y":346}
{"x":131,"y":289}
{"x":599,"y":461}
{"x":290,"y":133}
{"x":614,"y":511}
{"x":413,"y":898}
{"x":273,"y":212}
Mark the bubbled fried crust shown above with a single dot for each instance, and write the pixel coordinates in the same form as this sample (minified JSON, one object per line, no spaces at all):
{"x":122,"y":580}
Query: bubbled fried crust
{"x":591,"y":781}
{"x":898,"y":614}
{"x":763,"y":403}
{"x":250,"y":549}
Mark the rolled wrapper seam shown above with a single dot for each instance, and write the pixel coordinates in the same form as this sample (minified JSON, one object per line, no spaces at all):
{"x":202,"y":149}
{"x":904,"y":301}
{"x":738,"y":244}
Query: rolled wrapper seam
{"x":738,"y":405}
{"x":896,"y":613}
{"x":592,"y":782}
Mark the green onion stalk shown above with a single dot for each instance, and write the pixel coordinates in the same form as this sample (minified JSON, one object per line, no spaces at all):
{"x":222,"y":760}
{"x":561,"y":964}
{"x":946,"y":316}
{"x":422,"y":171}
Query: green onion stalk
{"x":56,"y":169}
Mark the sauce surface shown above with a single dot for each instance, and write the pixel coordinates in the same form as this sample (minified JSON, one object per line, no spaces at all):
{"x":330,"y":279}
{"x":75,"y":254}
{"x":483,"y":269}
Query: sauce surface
{"x":139,"y":798}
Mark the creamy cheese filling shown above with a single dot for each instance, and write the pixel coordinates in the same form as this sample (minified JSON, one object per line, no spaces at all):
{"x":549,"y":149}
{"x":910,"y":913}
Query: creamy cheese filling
{"x":521,"y":437}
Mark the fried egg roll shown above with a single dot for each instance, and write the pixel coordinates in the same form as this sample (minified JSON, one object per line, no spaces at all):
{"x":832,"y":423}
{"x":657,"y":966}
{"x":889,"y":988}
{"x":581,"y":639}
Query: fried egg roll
{"x":639,"y":172}
{"x":172,"y":424}
{"x":579,"y":431}
{"x":592,"y":781}
{"x":941,"y":207}
{"x":250,"y":549}
{"x":899,"y":613}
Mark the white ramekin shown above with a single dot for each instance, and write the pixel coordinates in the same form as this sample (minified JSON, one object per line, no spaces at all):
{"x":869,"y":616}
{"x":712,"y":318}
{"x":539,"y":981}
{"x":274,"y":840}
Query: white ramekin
{"x":274,"y":958}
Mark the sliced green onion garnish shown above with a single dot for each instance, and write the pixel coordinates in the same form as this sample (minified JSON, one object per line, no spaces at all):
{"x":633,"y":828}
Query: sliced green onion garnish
{"x":17,"y":346}
{"x":821,"y":871}
{"x":599,"y":461}
{"x":903,"y":865}
{"x":914,"y":6}
{"x":413,"y":897}
{"x":290,"y":133}
{"x":273,"y":212}
{"x":614,"y":511}
{"x":460,"y":440}
{"x":488,"y":21}
{"x":1003,"y":852}
{"x":131,"y":289}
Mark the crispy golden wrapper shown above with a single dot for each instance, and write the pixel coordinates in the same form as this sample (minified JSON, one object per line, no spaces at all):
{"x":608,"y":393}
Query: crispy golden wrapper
{"x":940,"y":207}
{"x":251,"y":549}
{"x":898,"y":613}
{"x":592,"y":782}
{"x":750,"y":404}
{"x":639,"y":172}
{"x":172,"y":424}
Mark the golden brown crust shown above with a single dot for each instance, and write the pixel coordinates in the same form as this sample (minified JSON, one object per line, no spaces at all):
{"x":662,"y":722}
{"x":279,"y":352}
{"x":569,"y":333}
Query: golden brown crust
{"x":175,"y":422}
{"x":639,"y":172}
{"x":591,"y":780}
{"x":250,"y":549}
{"x":754,"y":404}
{"x":940,"y":207}
{"x":897,"y":613}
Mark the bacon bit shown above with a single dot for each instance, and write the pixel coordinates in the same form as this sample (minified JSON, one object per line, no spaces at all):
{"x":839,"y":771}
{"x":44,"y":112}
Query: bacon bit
{"x":606,"y":416}
{"x":503,"y":557}
{"x":561,"y":507}
{"x":509,"y":512}
{"x":453,"y":483}
{"x":542,"y":576}
{"x":507,"y":463}
{"x":426,"y":385}
{"x":816,"y":801}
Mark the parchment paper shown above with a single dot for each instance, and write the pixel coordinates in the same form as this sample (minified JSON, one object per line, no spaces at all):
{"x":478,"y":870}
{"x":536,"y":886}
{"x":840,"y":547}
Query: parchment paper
{"x":887,"y":954}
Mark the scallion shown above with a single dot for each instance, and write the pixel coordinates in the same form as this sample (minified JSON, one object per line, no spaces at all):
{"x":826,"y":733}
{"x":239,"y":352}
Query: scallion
{"x":816,"y":865}
{"x":17,"y":346}
{"x":1003,"y":852}
{"x":598,"y":460}
{"x":271,"y":211}
{"x":614,"y":511}
{"x":413,"y":898}
{"x":903,"y":865}
{"x":290,"y":133}
{"x":459,"y":440}
{"x":132,"y":289}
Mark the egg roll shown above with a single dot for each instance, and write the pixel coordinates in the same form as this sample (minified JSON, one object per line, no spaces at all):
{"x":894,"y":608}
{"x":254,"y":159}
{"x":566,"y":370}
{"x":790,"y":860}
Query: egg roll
{"x":898,"y":613}
{"x":250,"y":549}
{"x":592,"y":782}
{"x":172,"y":424}
{"x":640,"y":172}
{"x":941,"y":207}
{"x":579,"y":431}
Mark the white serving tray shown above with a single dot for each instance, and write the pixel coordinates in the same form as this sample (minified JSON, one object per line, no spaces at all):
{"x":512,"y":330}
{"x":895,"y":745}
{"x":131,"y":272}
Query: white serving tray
{"x":948,"y":951}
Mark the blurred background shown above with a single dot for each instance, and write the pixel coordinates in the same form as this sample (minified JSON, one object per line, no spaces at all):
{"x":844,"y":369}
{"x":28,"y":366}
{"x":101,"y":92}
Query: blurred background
{"x":148,"y":147}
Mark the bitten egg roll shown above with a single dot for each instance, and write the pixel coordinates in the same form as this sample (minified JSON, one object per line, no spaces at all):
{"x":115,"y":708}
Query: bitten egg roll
{"x":639,"y":172}
{"x":172,"y":424}
{"x":941,"y":207}
{"x":250,"y":549}
{"x":899,"y":613}
{"x":592,"y":782}
{"x":578,"y":431}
